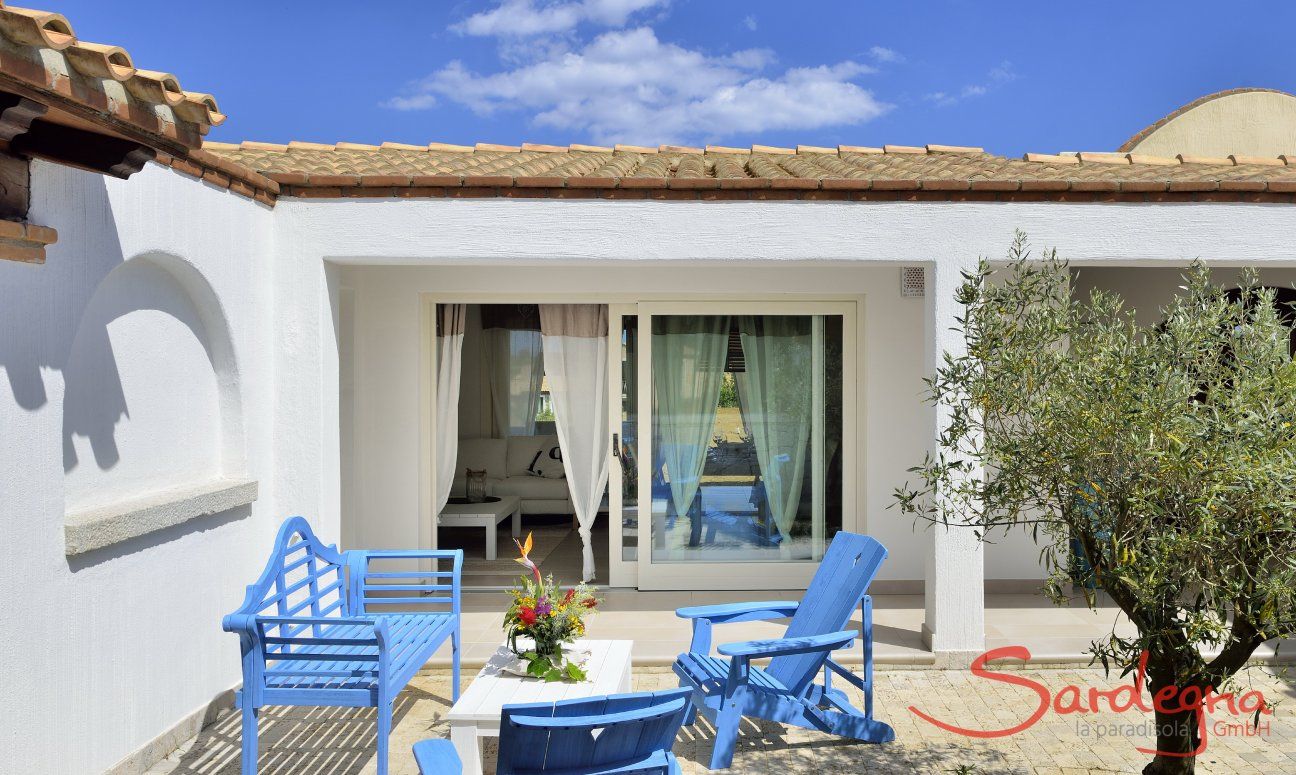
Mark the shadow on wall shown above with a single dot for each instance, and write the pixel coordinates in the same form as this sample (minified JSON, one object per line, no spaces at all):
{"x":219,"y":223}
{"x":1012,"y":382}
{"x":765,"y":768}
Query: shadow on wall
{"x":94,"y":400}
{"x":150,"y":330}
{"x":42,"y":302}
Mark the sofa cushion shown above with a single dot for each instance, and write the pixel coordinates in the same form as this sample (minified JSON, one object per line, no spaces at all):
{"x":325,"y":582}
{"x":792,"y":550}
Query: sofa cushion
{"x":482,"y":454}
{"x":533,"y":488}
{"x":522,"y":452}
{"x":547,"y":464}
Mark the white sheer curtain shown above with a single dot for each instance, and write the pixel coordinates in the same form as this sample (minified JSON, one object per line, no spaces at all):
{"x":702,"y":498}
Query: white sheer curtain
{"x":516,"y":364}
{"x":776,"y":396}
{"x":688,"y":363}
{"x":576,"y":362}
{"x":449,"y":344}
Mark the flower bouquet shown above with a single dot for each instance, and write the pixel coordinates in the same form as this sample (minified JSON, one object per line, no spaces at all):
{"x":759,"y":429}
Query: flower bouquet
{"x":549,"y":617}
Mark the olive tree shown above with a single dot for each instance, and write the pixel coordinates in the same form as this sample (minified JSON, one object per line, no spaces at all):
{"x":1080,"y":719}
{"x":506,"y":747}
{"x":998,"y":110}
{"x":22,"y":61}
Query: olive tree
{"x":1166,"y":455}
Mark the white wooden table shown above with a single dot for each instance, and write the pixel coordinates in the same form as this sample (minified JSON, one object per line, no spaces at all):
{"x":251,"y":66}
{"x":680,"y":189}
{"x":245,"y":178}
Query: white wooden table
{"x":487,"y":514}
{"x":477,"y":713}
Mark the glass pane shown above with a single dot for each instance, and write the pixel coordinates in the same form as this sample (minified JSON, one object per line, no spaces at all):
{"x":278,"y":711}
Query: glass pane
{"x":629,"y":449}
{"x":746,"y":443}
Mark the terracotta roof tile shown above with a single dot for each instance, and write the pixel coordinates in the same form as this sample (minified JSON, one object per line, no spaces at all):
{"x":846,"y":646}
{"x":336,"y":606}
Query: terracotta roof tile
{"x":45,"y":61}
{"x":938,"y":170}
{"x":98,"y":86}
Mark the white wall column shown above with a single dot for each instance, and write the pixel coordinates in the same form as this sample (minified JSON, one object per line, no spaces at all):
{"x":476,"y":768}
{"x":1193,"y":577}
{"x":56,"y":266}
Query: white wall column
{"x":954,"y":625}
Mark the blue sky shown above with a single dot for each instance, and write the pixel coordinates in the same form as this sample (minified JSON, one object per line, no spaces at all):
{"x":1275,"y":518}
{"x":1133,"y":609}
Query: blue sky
{"x":1009,"y":76}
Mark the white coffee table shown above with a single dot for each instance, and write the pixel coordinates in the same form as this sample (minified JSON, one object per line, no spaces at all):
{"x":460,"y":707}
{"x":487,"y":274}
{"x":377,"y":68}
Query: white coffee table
{"x":477,"y":713}
{"x":487,"y":514}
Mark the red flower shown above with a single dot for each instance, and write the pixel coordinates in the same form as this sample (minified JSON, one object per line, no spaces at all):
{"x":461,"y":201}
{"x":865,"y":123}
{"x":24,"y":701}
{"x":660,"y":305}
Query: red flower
{"x":591,"y":603}
{"x":527,"y":615}
{"x":568,"y":597}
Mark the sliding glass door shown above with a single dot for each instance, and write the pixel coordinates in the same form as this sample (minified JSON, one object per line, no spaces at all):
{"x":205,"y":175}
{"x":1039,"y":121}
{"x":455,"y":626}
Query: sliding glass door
{"x":734,"y":433}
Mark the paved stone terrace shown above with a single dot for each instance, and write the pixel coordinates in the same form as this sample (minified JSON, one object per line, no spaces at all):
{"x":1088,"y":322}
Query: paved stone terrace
{"x":336,"y":741}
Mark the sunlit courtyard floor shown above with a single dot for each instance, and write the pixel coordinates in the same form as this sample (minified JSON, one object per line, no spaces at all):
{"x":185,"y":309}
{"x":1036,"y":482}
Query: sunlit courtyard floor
{"x":334,"y":741}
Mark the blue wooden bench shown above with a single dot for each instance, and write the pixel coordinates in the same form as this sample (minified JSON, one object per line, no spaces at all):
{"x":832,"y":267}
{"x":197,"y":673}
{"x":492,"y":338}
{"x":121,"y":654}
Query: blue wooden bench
{"x":620,"y":733}
{"x":323,"y":627}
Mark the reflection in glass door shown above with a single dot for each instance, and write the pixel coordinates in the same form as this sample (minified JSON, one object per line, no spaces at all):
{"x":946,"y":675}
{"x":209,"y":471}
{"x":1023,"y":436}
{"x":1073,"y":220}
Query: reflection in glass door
{"x":740,"y":459}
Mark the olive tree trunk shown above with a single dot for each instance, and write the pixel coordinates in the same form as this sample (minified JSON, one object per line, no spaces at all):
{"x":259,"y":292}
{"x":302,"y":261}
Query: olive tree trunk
{"x":1176,"y":739}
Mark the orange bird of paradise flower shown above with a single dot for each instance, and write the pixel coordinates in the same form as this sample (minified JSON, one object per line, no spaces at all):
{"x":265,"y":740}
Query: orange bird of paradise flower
{"x":525,"y":559}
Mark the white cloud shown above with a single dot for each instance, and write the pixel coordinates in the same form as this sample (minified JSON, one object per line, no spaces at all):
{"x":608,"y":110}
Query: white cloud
{"x":999,"y":75}
{"x":628,"y":86}
{"x":750,"y":23}
{"x":884,"y":54}
{"x":525,"y":18}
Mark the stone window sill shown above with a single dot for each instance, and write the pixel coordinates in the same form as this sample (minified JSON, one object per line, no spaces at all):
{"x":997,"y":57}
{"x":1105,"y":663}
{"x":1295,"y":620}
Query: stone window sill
{"x":97,"y":528}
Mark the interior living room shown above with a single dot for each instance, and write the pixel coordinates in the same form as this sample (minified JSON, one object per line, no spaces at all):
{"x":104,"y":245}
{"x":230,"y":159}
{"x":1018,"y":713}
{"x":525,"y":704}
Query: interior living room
{"x":509,"y":454}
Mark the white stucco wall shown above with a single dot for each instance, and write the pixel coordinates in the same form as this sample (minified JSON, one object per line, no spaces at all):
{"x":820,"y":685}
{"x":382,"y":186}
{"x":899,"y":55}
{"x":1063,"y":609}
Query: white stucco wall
{"x":105,"y":651}
{"x":570,"y":246}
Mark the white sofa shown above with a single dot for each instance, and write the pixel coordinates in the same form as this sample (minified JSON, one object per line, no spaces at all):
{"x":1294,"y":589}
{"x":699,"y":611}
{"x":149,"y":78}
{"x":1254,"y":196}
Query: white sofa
{"x":508,"y":464}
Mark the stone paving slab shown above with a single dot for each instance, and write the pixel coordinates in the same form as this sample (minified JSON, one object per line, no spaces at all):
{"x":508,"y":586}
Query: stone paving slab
{"x":338,"y":741}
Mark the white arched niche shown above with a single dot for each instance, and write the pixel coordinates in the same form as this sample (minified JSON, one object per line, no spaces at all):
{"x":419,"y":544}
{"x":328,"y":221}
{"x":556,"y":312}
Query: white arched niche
{"x":153,"y":432}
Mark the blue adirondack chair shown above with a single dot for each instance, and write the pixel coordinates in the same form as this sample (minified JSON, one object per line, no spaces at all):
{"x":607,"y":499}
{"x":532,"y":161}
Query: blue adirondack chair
{"x":725,"y":690}
{"x":620,"y":733}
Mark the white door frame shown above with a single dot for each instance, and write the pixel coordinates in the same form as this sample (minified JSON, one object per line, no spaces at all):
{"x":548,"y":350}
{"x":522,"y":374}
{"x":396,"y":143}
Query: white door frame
{"x":621,"y":572}
{"x":738,"y":575}
{"x":852,"y":393}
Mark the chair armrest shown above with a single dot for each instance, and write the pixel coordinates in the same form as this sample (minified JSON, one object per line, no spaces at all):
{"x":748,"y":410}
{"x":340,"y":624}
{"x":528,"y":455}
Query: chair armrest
{"x":247,"y":623}
{"x":250,"y":626}
{"x":739,"y":612}
{"x":437,"y":757}
{"x":787,"y":646}
{"x":362,"y":620}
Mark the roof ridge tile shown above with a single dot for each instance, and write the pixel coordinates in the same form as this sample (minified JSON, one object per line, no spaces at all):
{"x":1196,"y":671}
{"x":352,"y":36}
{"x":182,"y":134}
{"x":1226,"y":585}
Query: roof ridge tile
{"x":954,"y":149}
{"x":1193,"y":159}
{"x":543,"y":148}
{"x":450,"y":148}
{"x":1146,"y":158}
{"x":390,"y":146}
{"x":1102,"y":157}
{"x":1052,"y":158}
{"x":1269,"y":161}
